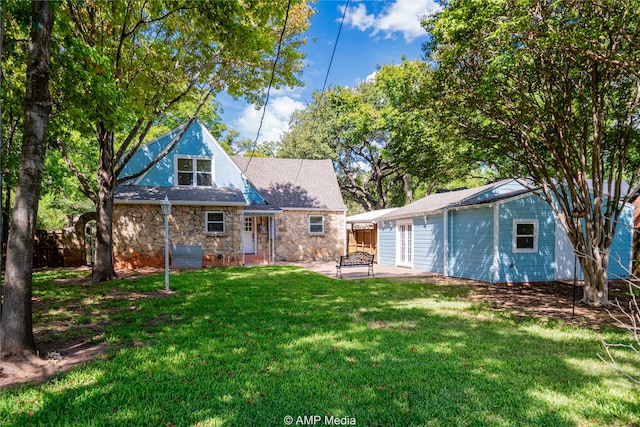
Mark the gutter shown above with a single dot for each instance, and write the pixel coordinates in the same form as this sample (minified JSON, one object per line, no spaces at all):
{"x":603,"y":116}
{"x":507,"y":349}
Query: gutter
{"x":177,"y":202}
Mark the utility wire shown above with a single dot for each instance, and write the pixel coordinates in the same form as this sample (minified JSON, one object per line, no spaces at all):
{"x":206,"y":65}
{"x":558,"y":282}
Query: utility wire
{"x":335,"y":45}
{"x":273,"y":73}
{"x":326,"y":77}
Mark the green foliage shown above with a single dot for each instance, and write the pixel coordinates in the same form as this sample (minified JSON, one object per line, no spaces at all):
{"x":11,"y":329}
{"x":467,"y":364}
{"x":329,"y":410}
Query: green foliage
{"x":17,"y":16}
{"x":380,"y":135}
{"x":249,"y":346}
{"x":548,"y":91}
{"x":124,"y":67}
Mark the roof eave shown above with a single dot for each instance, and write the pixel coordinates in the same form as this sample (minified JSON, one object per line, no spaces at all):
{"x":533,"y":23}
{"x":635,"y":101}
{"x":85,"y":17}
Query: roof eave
{"x":178,"y":203}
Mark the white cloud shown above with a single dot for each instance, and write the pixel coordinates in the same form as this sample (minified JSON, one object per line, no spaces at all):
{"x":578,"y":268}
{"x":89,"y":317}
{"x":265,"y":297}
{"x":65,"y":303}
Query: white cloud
{"x":358,"y":17}
{"x":276,"y":119}
{"x":401,"y":16}
{"x":371,"y":77}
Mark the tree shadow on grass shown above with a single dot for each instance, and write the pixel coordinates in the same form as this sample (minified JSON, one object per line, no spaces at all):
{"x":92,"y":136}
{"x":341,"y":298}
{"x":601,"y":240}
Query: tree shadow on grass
{"x":252,"y":347}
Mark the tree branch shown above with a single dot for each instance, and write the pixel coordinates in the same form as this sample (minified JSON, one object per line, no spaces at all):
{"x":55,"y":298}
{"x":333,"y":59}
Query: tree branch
{"x":86,"y":188}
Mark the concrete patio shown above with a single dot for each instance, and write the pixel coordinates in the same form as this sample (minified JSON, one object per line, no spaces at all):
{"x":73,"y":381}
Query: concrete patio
{"x":380,"y":271}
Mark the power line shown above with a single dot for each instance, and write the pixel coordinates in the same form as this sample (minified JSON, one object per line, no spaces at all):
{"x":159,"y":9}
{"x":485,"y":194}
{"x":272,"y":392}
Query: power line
{"x":326,"y":77}
{"x":273,"y":73}
{"x":335,"y":45}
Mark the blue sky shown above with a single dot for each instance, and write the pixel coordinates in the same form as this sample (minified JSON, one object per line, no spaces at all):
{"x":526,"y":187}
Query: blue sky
{"x":374,"y":33}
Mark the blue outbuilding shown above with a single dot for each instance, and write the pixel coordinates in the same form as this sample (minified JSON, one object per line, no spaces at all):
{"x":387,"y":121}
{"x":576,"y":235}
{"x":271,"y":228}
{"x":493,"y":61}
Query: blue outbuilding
{"x":498,"y":233}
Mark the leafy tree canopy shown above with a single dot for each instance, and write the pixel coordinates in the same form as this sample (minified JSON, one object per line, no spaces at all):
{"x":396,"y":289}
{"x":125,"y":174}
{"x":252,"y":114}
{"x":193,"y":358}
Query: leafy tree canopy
{"x":548,"y":86}
{"x":380,"y":135}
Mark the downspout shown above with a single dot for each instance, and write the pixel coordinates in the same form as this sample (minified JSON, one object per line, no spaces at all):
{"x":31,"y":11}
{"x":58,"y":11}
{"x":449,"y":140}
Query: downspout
{"x":269,"y":240}
{"x":445,"y":246}
{"x":242,"y":236}
{"x":272,"y":232}
{"x":495,"y":265}
{"x":345,"y":237}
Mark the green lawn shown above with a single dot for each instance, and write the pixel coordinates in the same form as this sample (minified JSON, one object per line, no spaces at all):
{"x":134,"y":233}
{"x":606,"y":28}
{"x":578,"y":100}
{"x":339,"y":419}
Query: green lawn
{"x":251,"y":346}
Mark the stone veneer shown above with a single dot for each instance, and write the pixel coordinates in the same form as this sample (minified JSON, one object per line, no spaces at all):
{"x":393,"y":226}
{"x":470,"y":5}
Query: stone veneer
{"x":138,"y":235}
{"x":295,"y":243}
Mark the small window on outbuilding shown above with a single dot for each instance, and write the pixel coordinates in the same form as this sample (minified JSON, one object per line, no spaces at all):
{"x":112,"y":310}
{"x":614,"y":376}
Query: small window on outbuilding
{"x":215,"y":222}
{"x":316,"y":224}
{"x":525,"y":235}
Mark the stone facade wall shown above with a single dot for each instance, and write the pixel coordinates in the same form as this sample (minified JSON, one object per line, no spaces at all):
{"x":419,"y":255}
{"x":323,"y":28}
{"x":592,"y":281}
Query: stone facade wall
{"x":295,"y":243}
{"x":138,"y":235}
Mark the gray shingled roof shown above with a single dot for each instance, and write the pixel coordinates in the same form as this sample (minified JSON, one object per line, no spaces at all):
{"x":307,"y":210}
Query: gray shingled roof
{"x":294,"y":183}
{"x":197,"y":196}
{"x":435,"y":202}
{"x":452,"y":199}
{"x":368,"y":217}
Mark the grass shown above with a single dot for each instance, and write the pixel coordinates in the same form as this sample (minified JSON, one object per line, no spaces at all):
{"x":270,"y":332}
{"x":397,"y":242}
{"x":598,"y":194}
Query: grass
{"x":251,"y":346}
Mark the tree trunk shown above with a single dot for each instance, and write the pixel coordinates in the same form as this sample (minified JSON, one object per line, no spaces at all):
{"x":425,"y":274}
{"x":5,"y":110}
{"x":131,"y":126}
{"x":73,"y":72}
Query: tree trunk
{"x":596,"y":288}
{"x":1,"y":147}
{"x":406,"y":180}
{"x":16,"y":332}
{"x":103,"y":267}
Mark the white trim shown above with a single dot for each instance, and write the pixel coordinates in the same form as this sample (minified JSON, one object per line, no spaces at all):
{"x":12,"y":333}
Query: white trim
{"x":207,"y":222}
{"x":242,"y":237}
{"x":313,"y":209}
{"x":437,"y":211}
{"x":345,"y":237}
{"x":399,"y":237}
{"x":495,"y":265}
{"x":225,"y":154}
{"x":445,"y":246}
{"x":254,"y":234}
{"x":194,"y":171}
{"x":179,"y":203}
{"x":514,"y":235}
{"x":251,"y":212}
{"x":315,"y":233}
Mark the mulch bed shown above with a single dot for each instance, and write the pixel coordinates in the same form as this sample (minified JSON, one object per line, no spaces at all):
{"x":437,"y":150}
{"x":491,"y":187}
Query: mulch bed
{"x":554,"y":300}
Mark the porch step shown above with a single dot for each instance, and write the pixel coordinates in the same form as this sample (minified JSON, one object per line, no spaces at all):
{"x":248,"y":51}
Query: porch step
{"x":255,"y":260}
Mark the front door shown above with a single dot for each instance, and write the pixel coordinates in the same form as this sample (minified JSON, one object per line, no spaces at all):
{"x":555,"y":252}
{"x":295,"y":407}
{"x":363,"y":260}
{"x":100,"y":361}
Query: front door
{"x":249,"y":237}
{"x":405,"y":244}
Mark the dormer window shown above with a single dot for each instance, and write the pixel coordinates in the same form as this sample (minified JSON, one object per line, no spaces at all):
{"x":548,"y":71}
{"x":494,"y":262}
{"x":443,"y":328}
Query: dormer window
{"x":194,"y":171}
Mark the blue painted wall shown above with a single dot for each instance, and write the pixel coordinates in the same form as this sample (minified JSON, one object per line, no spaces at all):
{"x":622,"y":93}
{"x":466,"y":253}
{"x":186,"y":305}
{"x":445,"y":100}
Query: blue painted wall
{"x":196,"y":141}
{"x":387,"y":243}
{"x":507,"y":187}
{"x":471,"y":243}
{"x":428,"y":245}
{"x":526,"y":266}
{"x":620,"y":258}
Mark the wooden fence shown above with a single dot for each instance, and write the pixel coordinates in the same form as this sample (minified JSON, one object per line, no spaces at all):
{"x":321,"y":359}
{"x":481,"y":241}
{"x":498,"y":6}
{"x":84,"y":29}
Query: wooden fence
{"x":47,"y":249}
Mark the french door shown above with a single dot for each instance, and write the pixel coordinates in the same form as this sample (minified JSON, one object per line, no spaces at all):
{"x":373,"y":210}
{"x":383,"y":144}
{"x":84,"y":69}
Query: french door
{"x":405,"y":244}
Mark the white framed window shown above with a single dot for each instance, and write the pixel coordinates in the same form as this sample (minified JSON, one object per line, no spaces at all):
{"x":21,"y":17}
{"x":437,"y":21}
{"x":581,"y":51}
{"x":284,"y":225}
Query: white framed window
{"x":316,"y":224}
{"x":525,"y":235}
{"x":215,"y":222}
{"x":194,"y":171}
